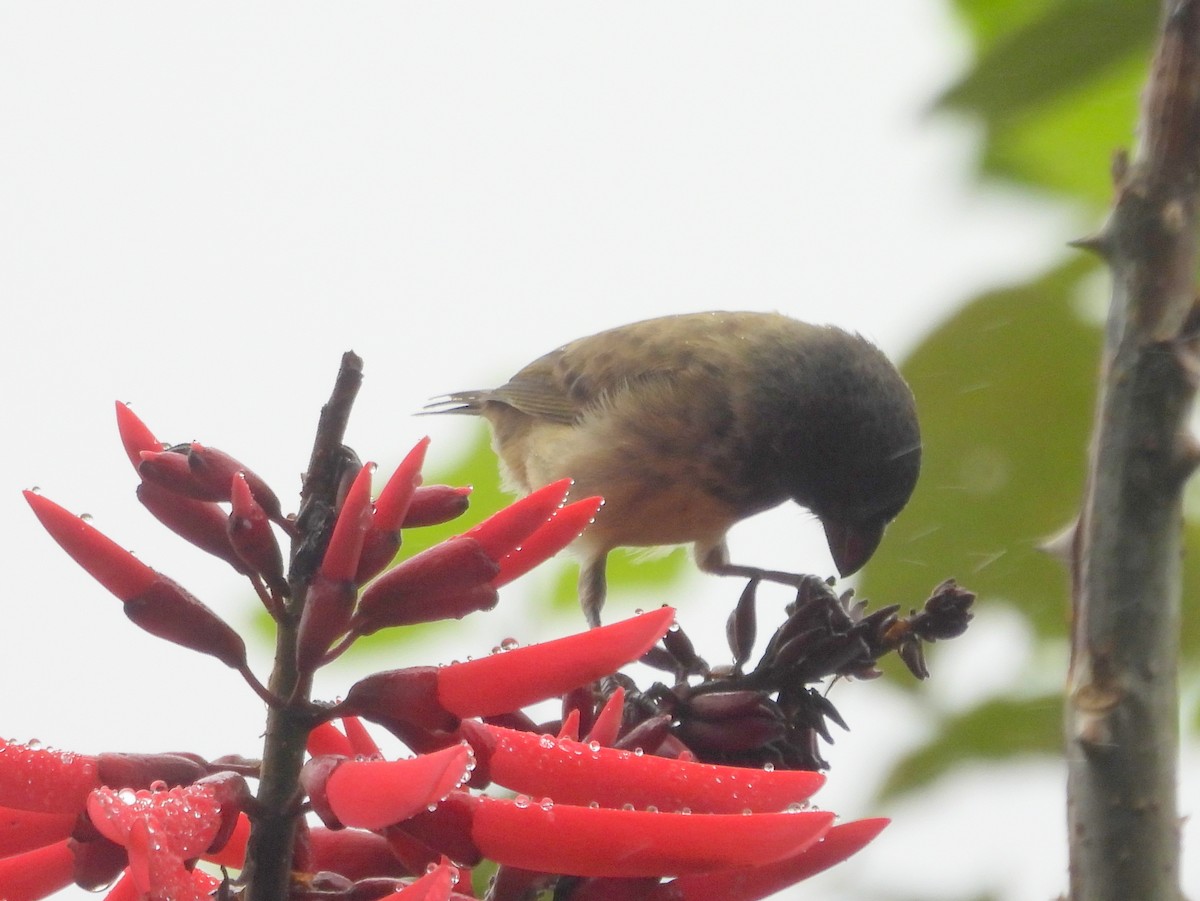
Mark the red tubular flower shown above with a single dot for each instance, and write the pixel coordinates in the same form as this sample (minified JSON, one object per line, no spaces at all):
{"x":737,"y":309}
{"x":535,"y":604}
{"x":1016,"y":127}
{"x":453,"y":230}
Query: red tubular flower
{"x":108,"y":563}
{"x":449,"y":580}
{"x":433,"y":505}
{"x":170,"y":469}
{"x":755,"y":883}
{"x":382,"y":538}
{"x":326,"y":741}
{"x":360,"y":740}
{"x":327,"y":609}
{"x":523,"y":676}
{"x":214,"y":470}
{"x":163,"y":830}
{"x":187,"y":818}
{"x":573,"y":772}
{"x":353,"y":853}
{"x":135,"y":435}
{"x":436,"y":698}
{"x":563,"y":527}
{"x":396,"y":497}
{"x":345,"y":545}
{"x":248,"y":532}
{"x":587,"y":841}
{"x":45,"y":779}
{"x":25,"y":830}
{"x":407,"y":695}
{"x":372,"y":794}
{"x":202,"y":523}
{"x":38,"y":873}
{"x":500,"y":533}
{"x":152,"y":601}
{"x":607,"y":726}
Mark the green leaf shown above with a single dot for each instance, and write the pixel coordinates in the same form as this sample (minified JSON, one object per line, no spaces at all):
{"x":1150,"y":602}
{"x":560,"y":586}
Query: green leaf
{"x":1057,"y":92}
{"x":996,"y":730}
{"x":1067,"y":145}
{"x":1005,"y":394}
{"x":1069,"y":46}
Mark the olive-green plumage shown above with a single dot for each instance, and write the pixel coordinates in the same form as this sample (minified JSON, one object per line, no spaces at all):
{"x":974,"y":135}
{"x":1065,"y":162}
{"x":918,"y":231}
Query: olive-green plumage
{"x":688,"y":424}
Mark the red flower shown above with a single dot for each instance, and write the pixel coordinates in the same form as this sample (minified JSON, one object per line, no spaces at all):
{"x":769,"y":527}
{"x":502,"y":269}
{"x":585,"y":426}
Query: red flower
{"x":601,"y":810}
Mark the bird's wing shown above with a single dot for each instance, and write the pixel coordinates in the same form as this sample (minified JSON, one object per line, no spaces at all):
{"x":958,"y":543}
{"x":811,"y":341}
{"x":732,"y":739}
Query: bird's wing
{"x":567,"y":383}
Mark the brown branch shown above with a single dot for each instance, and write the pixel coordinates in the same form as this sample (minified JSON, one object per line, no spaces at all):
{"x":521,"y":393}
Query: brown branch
{"x":1122,"y":700}
{"x":269,"y":854}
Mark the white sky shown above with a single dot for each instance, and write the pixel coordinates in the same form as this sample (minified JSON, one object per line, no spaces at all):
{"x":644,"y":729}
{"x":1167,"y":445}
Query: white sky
{"x":202,"y":207}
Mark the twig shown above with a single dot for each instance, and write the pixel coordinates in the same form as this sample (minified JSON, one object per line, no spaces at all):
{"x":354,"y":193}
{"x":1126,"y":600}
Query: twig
{"x":269,"y":854}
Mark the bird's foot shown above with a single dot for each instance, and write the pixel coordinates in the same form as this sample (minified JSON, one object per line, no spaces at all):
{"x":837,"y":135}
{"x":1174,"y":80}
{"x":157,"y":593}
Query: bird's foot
{"x":754,"y":573}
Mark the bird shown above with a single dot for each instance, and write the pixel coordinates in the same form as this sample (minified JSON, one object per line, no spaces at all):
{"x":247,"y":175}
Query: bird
{"x":687,"y":424}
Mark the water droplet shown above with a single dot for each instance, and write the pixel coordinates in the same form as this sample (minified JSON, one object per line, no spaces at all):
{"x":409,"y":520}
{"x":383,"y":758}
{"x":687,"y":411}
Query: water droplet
{"x":795,"y":807}
{"x":627,"y":806}
{"x":509,"y":644}
{"x":746,"y":811}
{"x":593,"y":804}
{"x":650,"y":808}
{"x":686,"y":811}
{"x":521,"y":801}
{"x":86,"y":517}
{"x":638,"y":752}
{"x":593,"y":745}
{"x":546,"y":742}
{"x":768,"y":767}
{"x":158,"y":785}
{"x":547,"y":804}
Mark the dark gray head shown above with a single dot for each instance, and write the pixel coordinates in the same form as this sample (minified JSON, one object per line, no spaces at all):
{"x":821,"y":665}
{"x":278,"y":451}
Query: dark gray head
{"x":845,"y":441}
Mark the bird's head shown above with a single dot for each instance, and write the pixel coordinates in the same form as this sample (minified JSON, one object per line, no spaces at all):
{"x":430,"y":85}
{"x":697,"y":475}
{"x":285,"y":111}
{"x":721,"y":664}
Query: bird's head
{"x":847,"y":445}
{"x":856,"y":505}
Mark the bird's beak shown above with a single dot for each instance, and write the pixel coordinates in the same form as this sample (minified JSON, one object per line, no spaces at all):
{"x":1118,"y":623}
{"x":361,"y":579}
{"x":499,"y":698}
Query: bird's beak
{"x":852,"y":545}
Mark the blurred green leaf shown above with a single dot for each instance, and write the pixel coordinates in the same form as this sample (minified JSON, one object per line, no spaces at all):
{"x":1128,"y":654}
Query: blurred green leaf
{"x":1068,"y":46}
{"x":1067,"y":145}
{"x":996,"y":730}
{"x":1005,"y":394}
{"x":1056,"y":87}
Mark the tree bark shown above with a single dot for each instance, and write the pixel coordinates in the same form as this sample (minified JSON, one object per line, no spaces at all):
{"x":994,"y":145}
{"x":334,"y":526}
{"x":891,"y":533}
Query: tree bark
{"x":1122,"y":705}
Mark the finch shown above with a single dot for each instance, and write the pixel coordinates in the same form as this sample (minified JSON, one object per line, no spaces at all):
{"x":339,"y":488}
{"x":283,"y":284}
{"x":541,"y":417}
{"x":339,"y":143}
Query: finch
{"x":688,"y":424}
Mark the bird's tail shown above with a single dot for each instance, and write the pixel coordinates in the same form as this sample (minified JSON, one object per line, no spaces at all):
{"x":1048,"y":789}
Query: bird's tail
{"x":466,"y":402}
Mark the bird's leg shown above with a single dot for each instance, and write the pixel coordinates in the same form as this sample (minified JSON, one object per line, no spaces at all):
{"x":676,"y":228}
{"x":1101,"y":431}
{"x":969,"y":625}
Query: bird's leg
{"x":593,"y":586}
{"x":715,"y":559}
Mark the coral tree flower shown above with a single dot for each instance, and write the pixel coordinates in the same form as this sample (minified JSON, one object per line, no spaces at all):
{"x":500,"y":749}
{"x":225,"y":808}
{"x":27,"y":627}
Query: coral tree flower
{"x":622,"y":823}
